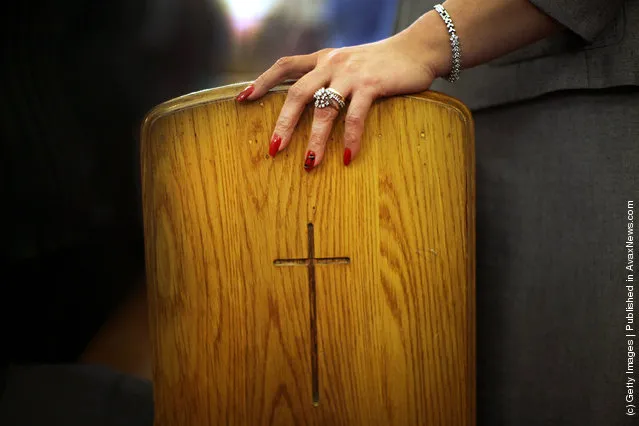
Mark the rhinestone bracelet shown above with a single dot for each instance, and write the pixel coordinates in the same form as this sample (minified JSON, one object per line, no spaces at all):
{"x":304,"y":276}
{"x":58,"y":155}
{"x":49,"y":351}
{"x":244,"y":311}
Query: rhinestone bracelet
{"x":454,"y":44}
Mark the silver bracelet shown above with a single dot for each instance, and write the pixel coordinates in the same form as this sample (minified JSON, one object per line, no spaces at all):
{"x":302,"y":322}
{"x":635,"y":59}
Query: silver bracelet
{"x":455,"y":68}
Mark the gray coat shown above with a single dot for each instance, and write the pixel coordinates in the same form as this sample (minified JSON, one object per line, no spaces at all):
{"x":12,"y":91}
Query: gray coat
{"x":554,"y":174}
{"x":598,"y":49}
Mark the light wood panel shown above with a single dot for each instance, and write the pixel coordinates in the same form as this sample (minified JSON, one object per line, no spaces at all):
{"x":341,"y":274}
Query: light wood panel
{"x":232,"y":330}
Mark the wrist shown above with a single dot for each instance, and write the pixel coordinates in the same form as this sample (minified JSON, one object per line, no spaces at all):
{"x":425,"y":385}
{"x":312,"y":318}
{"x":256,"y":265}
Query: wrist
{"x":430,"y":34}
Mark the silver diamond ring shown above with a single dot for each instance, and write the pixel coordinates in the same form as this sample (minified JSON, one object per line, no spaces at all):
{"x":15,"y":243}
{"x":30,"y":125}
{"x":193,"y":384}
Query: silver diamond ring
{"x":326,"y":97}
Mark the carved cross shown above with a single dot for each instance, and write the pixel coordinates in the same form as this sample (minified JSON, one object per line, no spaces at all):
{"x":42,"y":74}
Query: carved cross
{"x":310,"y":263}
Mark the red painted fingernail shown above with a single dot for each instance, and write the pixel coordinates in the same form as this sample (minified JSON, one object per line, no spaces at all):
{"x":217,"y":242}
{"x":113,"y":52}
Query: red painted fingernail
{"x":347,"y":156}
{"x":274,"y":146}
{"x":245,"y":93}
{"x":309,"y":163}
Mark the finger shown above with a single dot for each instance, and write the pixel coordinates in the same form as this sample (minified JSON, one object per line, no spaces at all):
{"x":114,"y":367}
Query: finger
{"x":356,"y":115}
{"x":298,"y":96}
{"x":323,"y":119}
{"x":287,"y":67}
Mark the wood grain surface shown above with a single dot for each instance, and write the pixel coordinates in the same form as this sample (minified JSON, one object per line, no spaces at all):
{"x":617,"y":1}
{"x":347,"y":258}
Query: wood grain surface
{"x":231,"y":327}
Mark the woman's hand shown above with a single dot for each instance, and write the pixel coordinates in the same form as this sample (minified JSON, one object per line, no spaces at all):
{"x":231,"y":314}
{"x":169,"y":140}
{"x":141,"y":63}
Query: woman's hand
{"x":400,"y":64}
{"x":407,"y":62}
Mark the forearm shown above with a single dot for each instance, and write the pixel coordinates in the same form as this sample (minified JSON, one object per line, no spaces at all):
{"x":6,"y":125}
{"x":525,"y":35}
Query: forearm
{"x":486,"y":29}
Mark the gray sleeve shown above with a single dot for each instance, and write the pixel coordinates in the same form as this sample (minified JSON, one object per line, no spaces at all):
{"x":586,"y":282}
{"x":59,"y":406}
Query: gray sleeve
{"x":587,"y":18}
{"x":74,"y":395}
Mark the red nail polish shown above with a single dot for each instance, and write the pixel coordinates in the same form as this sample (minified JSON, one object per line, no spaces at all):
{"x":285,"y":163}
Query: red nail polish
{"x":309,"y":163}
{"x":245,"y":93}
{"x":274,"y":146}
{"x":347,"y":156}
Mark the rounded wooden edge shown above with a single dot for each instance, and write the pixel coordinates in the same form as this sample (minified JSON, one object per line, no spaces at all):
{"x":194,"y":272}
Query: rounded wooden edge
{"x":232,"y":90}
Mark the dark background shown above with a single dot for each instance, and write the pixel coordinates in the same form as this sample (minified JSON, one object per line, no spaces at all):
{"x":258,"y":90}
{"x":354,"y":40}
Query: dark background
{"x":76,"y":79}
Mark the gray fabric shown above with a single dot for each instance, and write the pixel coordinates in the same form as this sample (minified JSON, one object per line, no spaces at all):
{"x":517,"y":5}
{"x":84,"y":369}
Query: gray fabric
{"x":553,"y":179}
{"x":70,"y":395}
{"x":564,"y":61}
{"x":584,"y":17}
{"x":555,"y":169}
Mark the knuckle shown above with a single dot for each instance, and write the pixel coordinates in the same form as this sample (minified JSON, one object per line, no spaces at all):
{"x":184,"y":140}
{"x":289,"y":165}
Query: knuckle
{"x":325,"y":51}
{"x":337,"y":57}
{"x":355,"y":121}
{"x":283,"y":124}
{"x":296,"y":93}
{"x":284,"y":62}
{"x":351,"y":137}
{"x":315,"y":142}
{"x":371,"y":82}
{"x":325,"y":114}
{"x":353,"y":67}
{"x":350,"y":141}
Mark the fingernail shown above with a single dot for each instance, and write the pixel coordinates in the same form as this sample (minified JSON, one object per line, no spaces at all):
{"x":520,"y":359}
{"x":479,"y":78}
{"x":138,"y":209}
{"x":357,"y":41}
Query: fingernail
{"x":274,"y":146}
{"x":347,"y":156}
{"x":309,"y":163}
{"x":245,"y":93}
